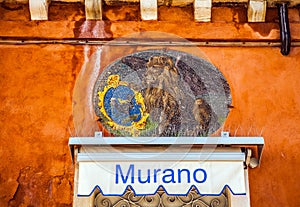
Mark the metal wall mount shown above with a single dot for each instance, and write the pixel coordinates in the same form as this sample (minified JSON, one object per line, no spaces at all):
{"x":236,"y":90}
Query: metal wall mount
{"x":256,"y":144}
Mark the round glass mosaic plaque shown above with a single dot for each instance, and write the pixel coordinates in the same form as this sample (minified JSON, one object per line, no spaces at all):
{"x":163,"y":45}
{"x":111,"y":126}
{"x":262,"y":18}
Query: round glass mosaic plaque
{"x":161,"y":93}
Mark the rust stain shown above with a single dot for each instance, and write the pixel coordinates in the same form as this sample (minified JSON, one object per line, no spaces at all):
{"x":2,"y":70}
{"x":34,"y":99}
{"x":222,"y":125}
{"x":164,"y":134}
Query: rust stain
{"x":239,"y":15}
{"x":264,"y":31}
{"x":121,"y":13}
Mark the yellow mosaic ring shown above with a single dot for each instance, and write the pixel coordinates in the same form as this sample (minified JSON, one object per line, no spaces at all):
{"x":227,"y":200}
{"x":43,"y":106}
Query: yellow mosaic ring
{"x":122,"y":106}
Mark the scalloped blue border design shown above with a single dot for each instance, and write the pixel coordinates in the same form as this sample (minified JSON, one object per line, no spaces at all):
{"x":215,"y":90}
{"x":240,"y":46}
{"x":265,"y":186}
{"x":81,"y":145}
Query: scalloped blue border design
{"x":160,"y":186}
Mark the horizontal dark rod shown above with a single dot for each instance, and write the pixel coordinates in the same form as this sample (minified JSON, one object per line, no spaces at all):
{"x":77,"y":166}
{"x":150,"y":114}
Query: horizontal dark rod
{"x":148,"y":43}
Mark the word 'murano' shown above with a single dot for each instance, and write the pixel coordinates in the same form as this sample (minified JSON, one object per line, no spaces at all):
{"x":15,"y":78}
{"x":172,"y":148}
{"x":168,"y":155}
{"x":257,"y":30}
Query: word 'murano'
{"x":133,"y":175}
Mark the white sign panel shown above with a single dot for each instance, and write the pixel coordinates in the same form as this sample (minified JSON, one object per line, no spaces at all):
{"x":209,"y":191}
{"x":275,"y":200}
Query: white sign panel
{"x":145,"y":177}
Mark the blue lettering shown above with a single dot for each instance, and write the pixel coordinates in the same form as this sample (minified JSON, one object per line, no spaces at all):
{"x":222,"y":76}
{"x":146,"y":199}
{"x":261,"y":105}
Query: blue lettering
{"x":140,"y":177}
{"x":124,"y":179}
{"x":204,"y":175}
{"x":171,"y":175}
{"x":168,"y":175}
{"x":187,"y":174}
{"x":155,"y":174}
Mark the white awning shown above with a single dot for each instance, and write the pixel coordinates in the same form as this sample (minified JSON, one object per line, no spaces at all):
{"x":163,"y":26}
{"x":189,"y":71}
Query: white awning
{"x":175,"y":164}
{"x":146,"y":176}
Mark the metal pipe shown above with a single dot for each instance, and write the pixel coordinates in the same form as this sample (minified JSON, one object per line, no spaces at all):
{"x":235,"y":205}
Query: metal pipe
{"x":207,"y":43}
{"x":285,"y":34}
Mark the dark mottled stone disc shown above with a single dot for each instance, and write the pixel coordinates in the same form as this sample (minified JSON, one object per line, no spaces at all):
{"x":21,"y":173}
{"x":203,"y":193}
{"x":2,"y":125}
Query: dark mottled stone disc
{"x":184,"y":94}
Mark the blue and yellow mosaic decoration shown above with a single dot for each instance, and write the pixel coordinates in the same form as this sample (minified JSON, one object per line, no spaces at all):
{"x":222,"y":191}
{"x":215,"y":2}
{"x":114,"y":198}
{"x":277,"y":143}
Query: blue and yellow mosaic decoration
{"x":161,"y":93}
{"x":122,"y":106}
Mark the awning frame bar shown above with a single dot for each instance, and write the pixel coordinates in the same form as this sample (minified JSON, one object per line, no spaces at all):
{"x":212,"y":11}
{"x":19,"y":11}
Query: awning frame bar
{"x":99,"y":141}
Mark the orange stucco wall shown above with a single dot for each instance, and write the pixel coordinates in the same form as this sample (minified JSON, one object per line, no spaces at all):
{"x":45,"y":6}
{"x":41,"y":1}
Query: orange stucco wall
{"x":36,"y":87}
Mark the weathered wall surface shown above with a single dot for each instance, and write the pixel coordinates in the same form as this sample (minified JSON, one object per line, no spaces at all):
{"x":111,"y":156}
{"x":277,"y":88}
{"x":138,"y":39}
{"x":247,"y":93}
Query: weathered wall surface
{"x":266,"y":99}
{"x":36,"y":92}
{"x":37,"y":80}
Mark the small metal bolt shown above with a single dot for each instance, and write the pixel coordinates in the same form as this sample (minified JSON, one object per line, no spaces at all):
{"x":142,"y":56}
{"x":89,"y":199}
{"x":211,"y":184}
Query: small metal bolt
{"x":253,"y":162}
{"x":98,"y":134}
{"x":225,"y":134}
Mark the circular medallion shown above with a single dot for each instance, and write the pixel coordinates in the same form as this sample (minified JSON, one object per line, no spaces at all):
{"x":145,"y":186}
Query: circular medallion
{"x":161,"y":93}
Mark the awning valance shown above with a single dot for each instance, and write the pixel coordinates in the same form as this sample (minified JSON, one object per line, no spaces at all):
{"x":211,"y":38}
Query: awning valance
{"x":146,"y":177}
{"x":208,"y":165}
